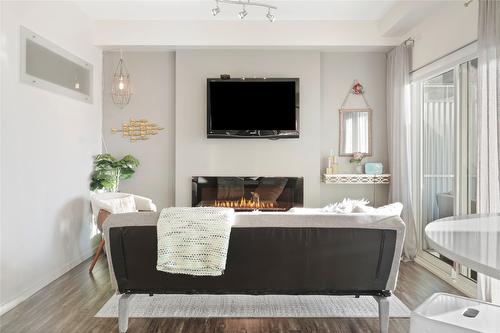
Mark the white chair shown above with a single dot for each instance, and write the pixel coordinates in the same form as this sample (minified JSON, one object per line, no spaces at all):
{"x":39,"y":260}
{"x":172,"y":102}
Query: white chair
{"x":101,"y":210}
{"x":445,"y":313}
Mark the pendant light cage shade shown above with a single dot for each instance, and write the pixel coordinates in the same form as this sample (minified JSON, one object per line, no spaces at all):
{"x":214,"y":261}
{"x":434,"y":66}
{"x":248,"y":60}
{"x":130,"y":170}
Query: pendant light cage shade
{"x":121,"y":90}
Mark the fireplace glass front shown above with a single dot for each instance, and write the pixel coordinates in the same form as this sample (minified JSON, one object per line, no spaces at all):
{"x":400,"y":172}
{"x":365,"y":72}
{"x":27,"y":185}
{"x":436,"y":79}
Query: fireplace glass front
{"x":248,"y":193}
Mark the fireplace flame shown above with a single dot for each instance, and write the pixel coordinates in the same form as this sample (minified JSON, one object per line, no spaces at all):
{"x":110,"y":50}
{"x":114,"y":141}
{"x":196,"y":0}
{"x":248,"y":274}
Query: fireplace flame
{"x":245,"y":204}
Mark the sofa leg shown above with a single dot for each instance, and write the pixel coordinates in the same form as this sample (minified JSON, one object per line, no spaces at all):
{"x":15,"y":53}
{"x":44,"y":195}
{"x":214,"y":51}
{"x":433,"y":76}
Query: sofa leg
{"x":383,"y":313}
{"x":123,"y":312}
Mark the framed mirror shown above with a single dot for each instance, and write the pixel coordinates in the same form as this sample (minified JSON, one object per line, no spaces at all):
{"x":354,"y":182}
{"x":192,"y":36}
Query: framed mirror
{"x":355,"y":132}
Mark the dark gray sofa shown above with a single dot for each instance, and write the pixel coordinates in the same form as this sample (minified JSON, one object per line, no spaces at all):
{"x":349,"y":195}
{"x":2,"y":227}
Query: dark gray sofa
{"x":269,"y":253}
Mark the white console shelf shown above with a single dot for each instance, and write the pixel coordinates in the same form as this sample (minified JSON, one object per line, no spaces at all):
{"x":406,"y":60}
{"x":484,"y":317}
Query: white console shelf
{"x":353,"y":178}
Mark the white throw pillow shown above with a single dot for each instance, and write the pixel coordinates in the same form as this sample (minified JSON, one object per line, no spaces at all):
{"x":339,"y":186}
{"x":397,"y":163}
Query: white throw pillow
{"x":346,"y":206}
{"x":121,"y":205}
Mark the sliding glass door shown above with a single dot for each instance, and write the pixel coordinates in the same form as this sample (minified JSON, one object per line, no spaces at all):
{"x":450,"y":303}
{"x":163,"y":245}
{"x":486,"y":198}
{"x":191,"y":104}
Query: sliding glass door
{"x":438,"y":147}
{"x":447,"y":104}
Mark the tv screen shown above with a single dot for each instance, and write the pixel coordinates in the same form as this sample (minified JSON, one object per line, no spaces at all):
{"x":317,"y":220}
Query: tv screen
{"x":253,"y":107}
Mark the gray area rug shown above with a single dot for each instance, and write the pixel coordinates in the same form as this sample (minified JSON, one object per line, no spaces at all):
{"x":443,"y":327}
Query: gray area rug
{"x":207,"y":306}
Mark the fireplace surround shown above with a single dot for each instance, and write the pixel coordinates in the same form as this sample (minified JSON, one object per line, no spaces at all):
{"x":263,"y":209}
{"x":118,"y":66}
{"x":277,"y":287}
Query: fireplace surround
{"x":248,"y":193}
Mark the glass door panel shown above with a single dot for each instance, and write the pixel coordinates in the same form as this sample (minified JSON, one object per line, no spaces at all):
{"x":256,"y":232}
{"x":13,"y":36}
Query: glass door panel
{"x":472,"y":99}
{"x":438,"y":149}
{"x":468,"y":98}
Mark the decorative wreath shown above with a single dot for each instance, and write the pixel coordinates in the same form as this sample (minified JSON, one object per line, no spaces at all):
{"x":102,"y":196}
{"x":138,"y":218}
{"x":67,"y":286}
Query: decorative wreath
{"x":357,"y":89}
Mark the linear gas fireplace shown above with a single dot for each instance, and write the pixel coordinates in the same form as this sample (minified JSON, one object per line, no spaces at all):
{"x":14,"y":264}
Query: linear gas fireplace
{"x":248,"y":193}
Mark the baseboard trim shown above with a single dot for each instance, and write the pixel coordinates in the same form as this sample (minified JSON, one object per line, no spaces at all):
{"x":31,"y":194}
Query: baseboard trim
{"x":41,"y":283}
{"x":461,"y":283}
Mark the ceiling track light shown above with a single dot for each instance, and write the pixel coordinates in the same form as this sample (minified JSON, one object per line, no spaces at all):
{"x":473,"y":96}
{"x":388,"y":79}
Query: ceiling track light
{"x":216,"y":10}
{"x":242,"y":14}
{"x":270,"y":16}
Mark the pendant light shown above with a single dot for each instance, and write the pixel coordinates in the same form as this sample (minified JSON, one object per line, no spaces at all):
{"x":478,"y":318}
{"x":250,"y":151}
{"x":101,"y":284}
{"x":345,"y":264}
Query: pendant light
{"x":120,"y":89}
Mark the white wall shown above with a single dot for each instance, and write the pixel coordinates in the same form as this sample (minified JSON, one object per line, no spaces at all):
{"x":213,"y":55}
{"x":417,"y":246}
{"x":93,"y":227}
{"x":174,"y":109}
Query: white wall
{"x":338,"y":70}
{"x":198,"y":156}
{"x":153,"y":79}
{"x":47,"y":144}
{"x":445,"y":31}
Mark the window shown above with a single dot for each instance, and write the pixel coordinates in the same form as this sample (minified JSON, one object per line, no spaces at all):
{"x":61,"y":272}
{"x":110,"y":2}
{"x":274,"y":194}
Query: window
{"x":46,"y":65}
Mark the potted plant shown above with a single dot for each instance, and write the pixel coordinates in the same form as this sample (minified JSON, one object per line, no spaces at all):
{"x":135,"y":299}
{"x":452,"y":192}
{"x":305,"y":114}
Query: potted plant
{"x":108,"y":171}
{"x":356,"y":161}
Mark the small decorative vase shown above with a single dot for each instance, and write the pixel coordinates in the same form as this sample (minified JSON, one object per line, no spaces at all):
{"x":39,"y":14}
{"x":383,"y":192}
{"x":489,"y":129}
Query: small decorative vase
{"x":115,"y":174}
{"x":357,"y":168}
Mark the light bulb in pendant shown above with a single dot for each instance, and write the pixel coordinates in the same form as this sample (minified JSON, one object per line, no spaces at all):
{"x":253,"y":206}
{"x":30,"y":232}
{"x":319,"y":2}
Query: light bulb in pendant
{"x":120,"y":89}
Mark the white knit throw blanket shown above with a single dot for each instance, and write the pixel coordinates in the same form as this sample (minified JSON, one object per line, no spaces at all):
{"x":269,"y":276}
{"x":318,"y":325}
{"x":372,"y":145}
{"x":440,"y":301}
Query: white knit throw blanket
{"x":194,"y":240}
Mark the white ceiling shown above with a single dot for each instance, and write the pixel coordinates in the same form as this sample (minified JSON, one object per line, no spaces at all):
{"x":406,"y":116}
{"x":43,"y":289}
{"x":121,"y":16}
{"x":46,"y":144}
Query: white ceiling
{"x":335,"y":10}
{"x":300,"y":23}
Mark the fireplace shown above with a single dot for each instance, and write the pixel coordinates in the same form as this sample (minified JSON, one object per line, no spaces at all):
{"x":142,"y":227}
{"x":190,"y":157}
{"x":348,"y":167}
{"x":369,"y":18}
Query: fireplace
{"x":248,"y":193}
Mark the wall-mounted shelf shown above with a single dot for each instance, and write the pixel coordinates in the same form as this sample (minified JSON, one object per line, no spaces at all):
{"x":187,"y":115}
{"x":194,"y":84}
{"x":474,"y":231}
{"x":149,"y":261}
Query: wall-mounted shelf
{"x":356,"y":179}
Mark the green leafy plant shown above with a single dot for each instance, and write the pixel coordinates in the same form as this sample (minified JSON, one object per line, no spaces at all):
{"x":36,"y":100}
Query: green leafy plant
{"x":108,"y":171}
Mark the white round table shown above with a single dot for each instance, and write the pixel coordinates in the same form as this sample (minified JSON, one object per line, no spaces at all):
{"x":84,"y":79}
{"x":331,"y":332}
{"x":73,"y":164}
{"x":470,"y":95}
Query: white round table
{"x":471,"y":240}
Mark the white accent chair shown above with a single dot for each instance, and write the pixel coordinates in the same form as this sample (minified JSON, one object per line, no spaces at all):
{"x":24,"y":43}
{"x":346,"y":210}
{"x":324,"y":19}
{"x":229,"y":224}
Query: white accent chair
{"x":101,"y":211}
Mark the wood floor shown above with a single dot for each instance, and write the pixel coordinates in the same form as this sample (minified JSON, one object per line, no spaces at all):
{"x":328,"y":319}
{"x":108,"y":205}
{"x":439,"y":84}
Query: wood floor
{"x":70,"y":303}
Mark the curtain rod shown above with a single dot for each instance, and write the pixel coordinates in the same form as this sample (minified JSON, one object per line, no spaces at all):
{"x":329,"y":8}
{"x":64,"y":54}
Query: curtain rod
{"x":443,"y":56}
{"x":408,"y":42}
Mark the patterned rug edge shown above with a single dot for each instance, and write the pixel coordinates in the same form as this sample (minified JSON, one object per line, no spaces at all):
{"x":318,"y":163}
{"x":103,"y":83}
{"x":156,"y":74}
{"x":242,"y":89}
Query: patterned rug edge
{"x":231,"y":306}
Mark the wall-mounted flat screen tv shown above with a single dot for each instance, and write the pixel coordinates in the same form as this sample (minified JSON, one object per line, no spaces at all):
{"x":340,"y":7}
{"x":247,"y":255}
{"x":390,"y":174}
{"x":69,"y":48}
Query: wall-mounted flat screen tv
{"x":253,"y":108}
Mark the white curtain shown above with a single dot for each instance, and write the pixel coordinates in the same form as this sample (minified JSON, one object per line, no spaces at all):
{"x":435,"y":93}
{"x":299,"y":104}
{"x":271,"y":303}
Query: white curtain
{"x":399,"y":131}
{"x":488,"y":191}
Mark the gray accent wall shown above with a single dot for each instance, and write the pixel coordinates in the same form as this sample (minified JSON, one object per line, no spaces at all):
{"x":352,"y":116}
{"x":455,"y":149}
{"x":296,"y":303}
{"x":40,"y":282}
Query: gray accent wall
{"x":170,"y":88}
{"x":198,"y":156}
{"x":338,"y":70}
{"x":152,"y":76}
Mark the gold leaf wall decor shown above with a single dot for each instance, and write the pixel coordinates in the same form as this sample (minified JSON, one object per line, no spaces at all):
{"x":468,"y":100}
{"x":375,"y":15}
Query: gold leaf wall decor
{"x":137,"y":130}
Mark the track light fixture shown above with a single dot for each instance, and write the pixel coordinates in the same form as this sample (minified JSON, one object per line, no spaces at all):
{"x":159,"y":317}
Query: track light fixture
{"x":270,"y":16}
{"x":242,"y":14}
{"x":216,"y":10}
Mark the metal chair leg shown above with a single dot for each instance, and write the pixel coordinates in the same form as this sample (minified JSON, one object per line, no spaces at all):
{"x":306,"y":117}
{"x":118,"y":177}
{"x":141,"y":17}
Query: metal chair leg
{"x":97,"y":254}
